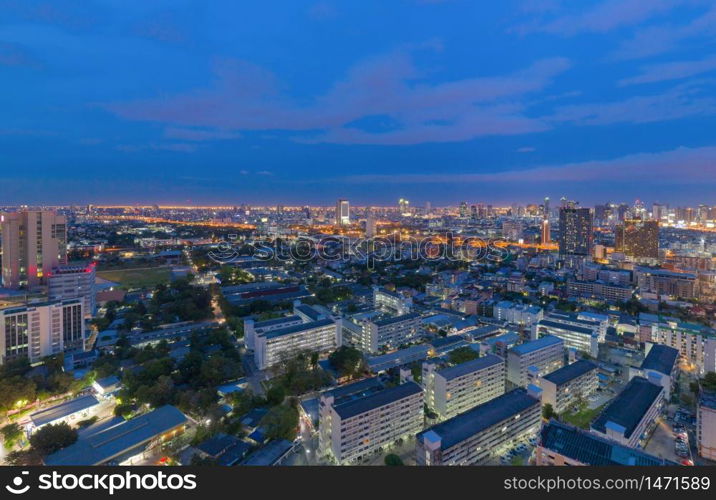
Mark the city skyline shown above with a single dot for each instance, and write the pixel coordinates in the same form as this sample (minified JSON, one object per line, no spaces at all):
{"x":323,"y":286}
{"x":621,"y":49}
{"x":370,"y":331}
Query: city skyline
{"x":185,"y":103}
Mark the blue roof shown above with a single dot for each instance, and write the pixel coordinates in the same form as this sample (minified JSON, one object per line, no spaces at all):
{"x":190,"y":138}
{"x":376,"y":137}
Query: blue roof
{"x":360,"y":388}
{"x":484,"y":416}
{"x":309,"y":311}
{"x":630,"y":405}
{"x":661,"y":358}
{"x":62,"y":410}
{"x":565,"y":326}
{"x":269,"y":454}
{"x":397,"y":319}
{"x":536,"y":345}
{"x":111,"y":442}
{"x":591,"y":449}
{"x":470,"y":366}
{"x":570,"y":372}
{"x":376,"y":400}
{"x":276,"y":321}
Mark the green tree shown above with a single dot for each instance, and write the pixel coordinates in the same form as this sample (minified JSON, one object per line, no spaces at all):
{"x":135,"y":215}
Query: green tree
{"x":393,"y":460}
{"x":462,"y":355}
{"x":11,"y":434}
{"x":281,"y":422}
{"x":548,"y":412}
{"x":51,"y":438}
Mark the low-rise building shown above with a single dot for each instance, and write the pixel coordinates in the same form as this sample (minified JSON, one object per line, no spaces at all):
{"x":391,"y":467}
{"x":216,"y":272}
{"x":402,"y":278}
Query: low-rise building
{"x":69,"y":412}
{"x":660,"y":366}
{"x":456,"y":389}
{"x":562,"y":444}
{"x":517,"y":314}
{"x":570,"y":384}
{"x":545,"y":355}
{"x":630,"y":417}
{"x":481,"y":434}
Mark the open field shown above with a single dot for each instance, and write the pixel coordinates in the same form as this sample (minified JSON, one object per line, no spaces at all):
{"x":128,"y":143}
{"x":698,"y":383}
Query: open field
{"x":138,"y":277}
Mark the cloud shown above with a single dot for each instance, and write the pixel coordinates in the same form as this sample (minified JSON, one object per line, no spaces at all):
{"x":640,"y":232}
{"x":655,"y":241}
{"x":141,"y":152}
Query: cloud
{"x":192,"y":134}
{"x":14,"y":55}
{"x":689,"y":99}
{"x":176,"y":147}
{"x":604,"y":17}
{"x":658,"y":39}
{"x":245,"y":96}
{"x":674,"y":70}
{"x":526,"y":149}
{"x":678,"y":166}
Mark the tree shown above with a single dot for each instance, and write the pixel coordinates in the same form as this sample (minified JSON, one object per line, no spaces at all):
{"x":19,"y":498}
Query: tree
{"x":462,"y":355}
{"x":275,"y":395}
{"x":281,"y":422}
{"x":348,"y":361}
{"x":548,"y":412}
{"x":51,"y":438}
{"x":11,"y":434}
{"x":393,"y":460}
{"x":709,"y":382}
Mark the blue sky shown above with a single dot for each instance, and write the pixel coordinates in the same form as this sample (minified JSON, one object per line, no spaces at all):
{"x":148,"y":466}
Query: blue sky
{"x":187,"y":101}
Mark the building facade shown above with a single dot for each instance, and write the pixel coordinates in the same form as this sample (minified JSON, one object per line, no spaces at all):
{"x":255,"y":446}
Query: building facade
{"x":545,"y":355}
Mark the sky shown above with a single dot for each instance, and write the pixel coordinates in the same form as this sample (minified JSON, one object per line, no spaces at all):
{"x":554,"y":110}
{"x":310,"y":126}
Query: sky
{"x":303,"y":102}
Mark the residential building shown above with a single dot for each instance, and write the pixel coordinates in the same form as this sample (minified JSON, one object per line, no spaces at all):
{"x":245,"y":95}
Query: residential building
{"x":545,"y":355}
{"x":275,"y":346}
{"x":389,"y":333}
{"x":660,"y":366}
{"x":706,"y":425}
{"x":42,"y":329}
{"x":253,"y":328}
{"x":33,"y":243}
{"x":456,"y":389}
{"x":695,"y":343}
{"x":354,"y":428}
{"x":573,"y":383}
{"x":74,"y":282}
{"x":630,"y":416}
{"x":395,"y":303}
{"x":638,"y":240}
{"x":575,"y":231}
{"x":561,"y":444}
{"x":479,"y":435}
{"x":517,"y":314}
{"x":663,"y":282}
{"x":599,"y":290}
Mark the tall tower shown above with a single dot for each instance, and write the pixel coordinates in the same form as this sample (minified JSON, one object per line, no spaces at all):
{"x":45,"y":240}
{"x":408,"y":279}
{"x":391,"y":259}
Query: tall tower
{"x":343,"y":213}
{"x":33,"y":242}
{"x":546,"y":237}
{"x":575,"y":231}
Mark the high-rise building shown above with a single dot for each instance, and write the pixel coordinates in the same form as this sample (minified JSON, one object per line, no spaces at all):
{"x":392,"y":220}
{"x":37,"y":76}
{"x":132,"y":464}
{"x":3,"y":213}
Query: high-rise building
{"x":575,"y":231}
{"x":343,"y":213}
{"x":43,"y":329}
{"x":463,"y":209}
{"x":546,"y":207}
{"x":74,"y":282}
{"x":33,"y":242}
{"x":404,"y":206}
{"x":545,"y":233}
{"x":638,"y":239}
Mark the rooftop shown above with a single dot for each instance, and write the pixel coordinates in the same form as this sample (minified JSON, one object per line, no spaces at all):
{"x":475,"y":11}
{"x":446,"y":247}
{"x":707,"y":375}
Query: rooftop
{"x":661,"y":359}
{"x":397,"y":319}
{"x":62,"y":410}
{"x":303,"y":327}
{"x":376,"y":400}
{"x":536,"y":345}
{"x":591,"y":449}
{"x":570,"y":372}
{"x":480,"y":418}
{"x":630,"y":405}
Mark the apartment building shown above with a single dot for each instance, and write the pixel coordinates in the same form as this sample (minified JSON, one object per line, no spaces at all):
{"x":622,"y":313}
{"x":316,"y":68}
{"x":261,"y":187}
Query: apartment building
{"x":599,"y":290}
{"x":74,"y":282}
{"x":481,"y":434}
{"x":385,"y":300}
{"x":456,"y":389}
{"x":630,"y":417}
{"x":275,"y":346}
{"x":660,"y":366}
{"x":42,"y":329}
{"x":577,"y":333}
{"x":562,"y":444}
{"x":706,"y":425}
{"x":517,"y":314}
{"x":695,"y":343}
{"x":545,"y":354}
{"x":664,"y":282}
{"x":253,"y":328}
{"x":570,"y":384}
{"x":355,"y":427}
{"x":389,"y":333}
{"x":33,"y":242}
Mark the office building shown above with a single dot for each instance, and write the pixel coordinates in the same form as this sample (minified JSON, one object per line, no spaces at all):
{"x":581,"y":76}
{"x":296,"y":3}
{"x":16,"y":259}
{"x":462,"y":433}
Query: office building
{"x":561,"y":444}
{"x":575,"y":231}
{"x":276,"y":346}
{"x":343,"y":213}
{"x":481,"y":434}
{"x":43,"y":329}
{"x":74,"y":282}
{"x":569,"y":385}
{"x":638,"y":240}
{"x":630,"y":417}
{"x":456,"y":389}
{"x":543,"y":355}
{"x":33,"y":242}
{"x":354,"y":428}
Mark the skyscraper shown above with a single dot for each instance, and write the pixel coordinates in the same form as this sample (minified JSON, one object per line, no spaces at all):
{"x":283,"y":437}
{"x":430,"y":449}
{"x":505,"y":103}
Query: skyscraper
{"x":575,"y":231}
{"x":546,"y":237}
{"x":638,"y":239}
{"x":343,"y":213}
{"x":404,"y":206}
{"x":33,"y":242}
{"x":546,"y":207}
